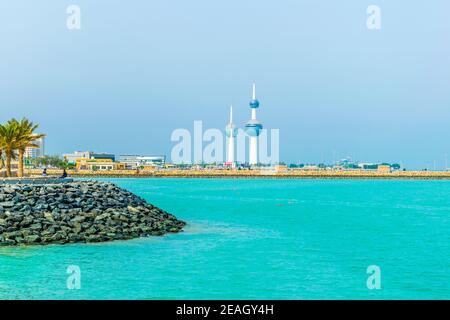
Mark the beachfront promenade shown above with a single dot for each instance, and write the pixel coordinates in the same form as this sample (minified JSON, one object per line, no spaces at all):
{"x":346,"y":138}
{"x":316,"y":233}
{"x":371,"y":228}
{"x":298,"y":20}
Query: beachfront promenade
{"x":173,"y":173}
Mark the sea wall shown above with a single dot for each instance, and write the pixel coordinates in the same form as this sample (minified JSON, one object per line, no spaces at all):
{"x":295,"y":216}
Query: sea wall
{"x":82,"y":211}
{"x":36,"y":180}
{"x":263,"y":173}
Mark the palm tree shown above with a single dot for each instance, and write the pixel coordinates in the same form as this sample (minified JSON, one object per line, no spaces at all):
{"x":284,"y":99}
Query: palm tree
{"x":2,"y":164}
{"x":8,"y":143}
{"x":26,"y":138}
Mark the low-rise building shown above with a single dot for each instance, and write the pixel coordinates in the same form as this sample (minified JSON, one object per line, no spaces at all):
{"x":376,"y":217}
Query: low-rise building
{"x":98,"y":164}
{"x":73,"y":157}
{"x":103,"y":156}
{"x":281,"y":168}
{"x":137,"y":161}
{"x":384,"y":168}
{"x":310,"y":167}
{"x":368,"y":166}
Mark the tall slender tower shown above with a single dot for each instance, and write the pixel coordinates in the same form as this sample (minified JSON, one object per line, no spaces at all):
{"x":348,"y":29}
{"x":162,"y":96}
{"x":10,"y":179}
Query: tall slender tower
{"x":253,"y":129}
{"x":231,"y":132}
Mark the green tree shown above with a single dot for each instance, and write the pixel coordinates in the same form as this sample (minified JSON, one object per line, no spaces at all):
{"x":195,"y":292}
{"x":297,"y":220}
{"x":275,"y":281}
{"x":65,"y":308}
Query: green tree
{"x":2,"y":163}
{"x":9,"y":133}
{"x":26,"y":138}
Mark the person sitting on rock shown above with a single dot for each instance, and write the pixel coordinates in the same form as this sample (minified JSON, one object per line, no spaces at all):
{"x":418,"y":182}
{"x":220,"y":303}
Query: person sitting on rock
{"x":44,"y":173}
{"x":64,"y":175}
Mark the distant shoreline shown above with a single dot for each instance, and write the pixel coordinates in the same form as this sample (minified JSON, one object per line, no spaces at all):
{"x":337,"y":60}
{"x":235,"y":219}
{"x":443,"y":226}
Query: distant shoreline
{"x":253,"y":174}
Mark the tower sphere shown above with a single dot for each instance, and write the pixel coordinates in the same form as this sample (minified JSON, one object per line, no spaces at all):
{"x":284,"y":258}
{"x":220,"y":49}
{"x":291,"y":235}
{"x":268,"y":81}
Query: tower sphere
{"x":253,"y":128}
{"x":254,"y":103}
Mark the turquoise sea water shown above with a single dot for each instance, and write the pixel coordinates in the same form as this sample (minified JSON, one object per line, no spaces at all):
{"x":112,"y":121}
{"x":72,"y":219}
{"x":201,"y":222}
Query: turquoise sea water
{"x":259,"y":239}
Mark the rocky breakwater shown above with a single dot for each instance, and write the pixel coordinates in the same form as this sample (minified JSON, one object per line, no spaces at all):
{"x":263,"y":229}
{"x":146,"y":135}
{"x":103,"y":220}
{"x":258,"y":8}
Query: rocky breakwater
{"x":85,"y":211}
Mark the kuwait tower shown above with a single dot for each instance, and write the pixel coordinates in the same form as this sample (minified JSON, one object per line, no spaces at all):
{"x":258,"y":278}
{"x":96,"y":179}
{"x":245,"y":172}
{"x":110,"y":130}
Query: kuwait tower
{"x":253,"y":129}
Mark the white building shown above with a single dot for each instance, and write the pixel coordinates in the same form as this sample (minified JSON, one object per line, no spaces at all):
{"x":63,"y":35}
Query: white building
{"x":72,"y":157}
{"x":136,"y":161}
{"x":36,"y":152}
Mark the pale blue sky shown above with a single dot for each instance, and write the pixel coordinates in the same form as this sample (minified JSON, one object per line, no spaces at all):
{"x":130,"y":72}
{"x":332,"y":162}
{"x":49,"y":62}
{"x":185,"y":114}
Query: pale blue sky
{"x":139,"y":69}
